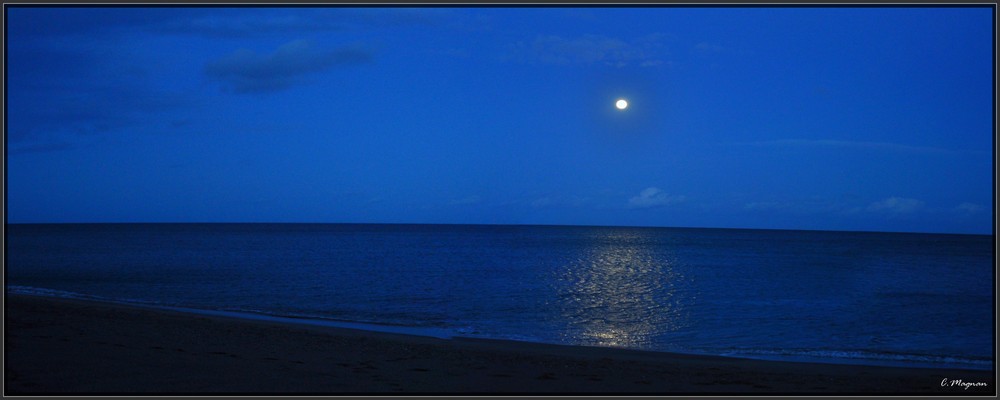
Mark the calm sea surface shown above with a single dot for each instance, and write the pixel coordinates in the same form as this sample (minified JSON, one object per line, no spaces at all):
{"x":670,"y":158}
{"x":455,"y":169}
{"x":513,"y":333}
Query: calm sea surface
{"x":844,"y":297}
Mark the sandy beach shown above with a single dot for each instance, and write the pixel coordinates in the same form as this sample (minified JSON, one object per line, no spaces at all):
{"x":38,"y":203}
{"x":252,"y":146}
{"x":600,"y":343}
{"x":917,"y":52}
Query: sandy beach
{"x":60,"y":346}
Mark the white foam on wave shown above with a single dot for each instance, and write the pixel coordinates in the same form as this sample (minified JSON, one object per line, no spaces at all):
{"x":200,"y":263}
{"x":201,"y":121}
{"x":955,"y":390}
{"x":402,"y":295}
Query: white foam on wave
{"x":243,"y":314}
{"x":33,"y":291}
{"x":862,"y":357}
{"x":314,"y":321}
{"x":36,"y":291}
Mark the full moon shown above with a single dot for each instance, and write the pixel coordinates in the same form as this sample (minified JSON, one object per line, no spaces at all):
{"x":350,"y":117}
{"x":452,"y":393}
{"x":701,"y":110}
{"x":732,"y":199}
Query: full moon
{"x":621,"y":104}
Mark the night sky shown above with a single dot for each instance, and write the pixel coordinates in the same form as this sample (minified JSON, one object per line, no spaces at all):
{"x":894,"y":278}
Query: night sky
{"x":872,"y":119}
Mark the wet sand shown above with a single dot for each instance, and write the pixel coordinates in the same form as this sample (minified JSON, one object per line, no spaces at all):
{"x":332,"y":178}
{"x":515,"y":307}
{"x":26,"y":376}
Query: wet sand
{"x":62,"y":346}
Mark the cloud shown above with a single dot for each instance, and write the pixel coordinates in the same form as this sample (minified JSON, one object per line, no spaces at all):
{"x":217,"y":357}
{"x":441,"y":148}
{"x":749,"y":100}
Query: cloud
{"x":969,"y":208}
{"x":466,"y":201}
{"x":646,"y":51}
{"x":896,"y":205}
{"x":58,"y":118}
{"x":244,"y":71}
{"x":764,"y":205}
{"x":653,"y":197}
{"x":73,"y":81}
{"x":58,"y":96}
{"x":897,"y":147}
{"x":706,"y":47}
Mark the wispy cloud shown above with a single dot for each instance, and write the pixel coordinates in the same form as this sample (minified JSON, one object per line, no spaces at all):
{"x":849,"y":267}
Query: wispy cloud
{"x":764,"y":205}
{"x":969,"y":208}
{"x":245,"y":71}
{"x":653,"y":197}
{"x":228,"y":23}
{"x":858,"y":145}
{"x":896,"y":205}
{"x":706,"y":47}
{"x":469,"y":200}
{"x":647,"y":51}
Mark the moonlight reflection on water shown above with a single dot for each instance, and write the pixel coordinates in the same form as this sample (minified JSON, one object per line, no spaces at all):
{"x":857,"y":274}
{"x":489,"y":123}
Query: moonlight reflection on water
{"x":622,"y":295}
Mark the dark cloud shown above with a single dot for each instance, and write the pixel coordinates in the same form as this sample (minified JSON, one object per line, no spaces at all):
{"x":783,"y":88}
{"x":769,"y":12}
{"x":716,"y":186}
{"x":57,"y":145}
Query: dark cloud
{"x":41,"y":117}
{"x":270,"y":21}
{"x":72,"y":73}
{"x":245,"y":71}
{"x":39,"y":22}
{"x":57,"y":93}
{"x":235,"y":22}
{"x":223,"y":25}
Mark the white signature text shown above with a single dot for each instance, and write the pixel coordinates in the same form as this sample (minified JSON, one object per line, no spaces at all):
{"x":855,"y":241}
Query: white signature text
{"x":959,"y":382}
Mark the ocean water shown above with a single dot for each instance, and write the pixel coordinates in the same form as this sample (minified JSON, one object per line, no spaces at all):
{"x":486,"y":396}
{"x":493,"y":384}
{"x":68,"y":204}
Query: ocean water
{"x":921,"y":300}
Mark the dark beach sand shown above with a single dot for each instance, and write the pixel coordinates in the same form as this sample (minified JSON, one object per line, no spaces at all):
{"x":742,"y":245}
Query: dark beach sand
{"x":58,"y":346}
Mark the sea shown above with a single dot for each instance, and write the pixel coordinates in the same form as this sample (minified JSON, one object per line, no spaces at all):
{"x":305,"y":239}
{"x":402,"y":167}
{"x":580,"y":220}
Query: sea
{"x":897,"y":299}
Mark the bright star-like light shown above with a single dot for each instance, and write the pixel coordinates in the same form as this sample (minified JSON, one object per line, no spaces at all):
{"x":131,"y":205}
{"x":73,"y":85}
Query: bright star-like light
{"x":621,"y":104}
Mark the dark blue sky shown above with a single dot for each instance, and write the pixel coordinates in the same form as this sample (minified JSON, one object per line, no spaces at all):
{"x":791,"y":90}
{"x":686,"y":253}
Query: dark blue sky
{"x":791,"y":118}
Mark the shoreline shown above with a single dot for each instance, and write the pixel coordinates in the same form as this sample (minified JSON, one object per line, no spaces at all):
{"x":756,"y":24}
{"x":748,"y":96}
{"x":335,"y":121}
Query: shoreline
{"x":449,"y":334}
{"x":58,"y":345}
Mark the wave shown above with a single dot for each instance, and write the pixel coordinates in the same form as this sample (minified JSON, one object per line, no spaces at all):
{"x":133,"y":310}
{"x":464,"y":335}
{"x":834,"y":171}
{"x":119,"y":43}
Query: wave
{"x":36,"y":291}
{"x":245,"y":313}
{"x":866,"y":357}
{"x":457,"y":329}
